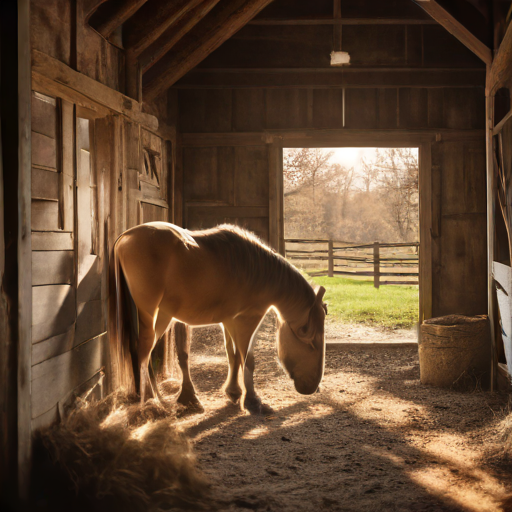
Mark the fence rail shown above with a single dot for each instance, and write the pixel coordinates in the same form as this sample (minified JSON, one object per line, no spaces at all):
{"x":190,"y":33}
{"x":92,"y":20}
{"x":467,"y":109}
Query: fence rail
{"x":377,"y":260}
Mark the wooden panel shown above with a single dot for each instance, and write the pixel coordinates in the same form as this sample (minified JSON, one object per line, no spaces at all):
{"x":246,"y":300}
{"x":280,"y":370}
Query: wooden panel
{"x":328,"y":108}
{"x":375,"y":45}
{"x":413,"y":108}
{"x":89,"y":321}
{"x":440,"y":48}
{"x":44,"y":115}
{"x":286,"y":108}
{"x":54,"y":346}
{"x":414,"y":46}
{"x":464,"y":108}
{"x":44,"y":151}
{"x":387,"y":108}
{"x":435,"y":108}
{"x":209,"y":174}
{"x":252,"y":176}
{"x":45,"y":215}
{"x":152,"y":213}
{"x":68,"y":167}
{"x":53,"y":379}
{"x":45,"y":184}
{"x":50,"y":28}
{"x":248,"y":110}
{"x":361,"y":108}
{"x":462,"y":286}
{"x":205,"y":110}
{"x":474,"y":177}
{"x":452,"y":172}
{"x":53,"y":310}
{"x":57,"y":241}
{"x":52,"y":267}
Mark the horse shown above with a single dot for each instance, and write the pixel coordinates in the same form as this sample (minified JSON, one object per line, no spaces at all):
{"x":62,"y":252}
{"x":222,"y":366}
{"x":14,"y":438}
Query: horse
{"x":224,"y":275}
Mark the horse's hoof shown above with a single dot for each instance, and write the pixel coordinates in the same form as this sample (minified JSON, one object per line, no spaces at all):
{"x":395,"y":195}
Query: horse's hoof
{"x":234,"y":395}
{"x":191,"y":403}
{"x":257,"y":407}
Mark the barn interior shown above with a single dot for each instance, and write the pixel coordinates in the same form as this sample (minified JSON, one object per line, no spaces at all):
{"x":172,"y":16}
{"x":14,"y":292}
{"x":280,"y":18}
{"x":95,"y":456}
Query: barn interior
{"x":116,"y":113}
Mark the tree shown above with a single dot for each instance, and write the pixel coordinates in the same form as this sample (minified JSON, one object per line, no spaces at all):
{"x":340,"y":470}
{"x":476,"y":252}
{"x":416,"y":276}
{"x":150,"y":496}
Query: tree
{"x":398,"y":171}
{"x":302,"y":167}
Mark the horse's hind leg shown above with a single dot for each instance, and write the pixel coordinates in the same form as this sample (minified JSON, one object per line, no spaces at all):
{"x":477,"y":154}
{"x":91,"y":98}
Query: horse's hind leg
{"x":231,"y":387}
{"x":187,"y":396}
{"x":144,"y":348}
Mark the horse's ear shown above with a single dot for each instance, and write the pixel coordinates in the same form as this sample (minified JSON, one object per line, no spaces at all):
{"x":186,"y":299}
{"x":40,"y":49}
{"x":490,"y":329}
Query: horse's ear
{"x":320,"y":292}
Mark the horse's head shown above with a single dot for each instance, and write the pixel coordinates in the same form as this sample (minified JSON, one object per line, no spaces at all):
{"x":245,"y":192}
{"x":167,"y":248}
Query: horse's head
{"x":301,"y":347}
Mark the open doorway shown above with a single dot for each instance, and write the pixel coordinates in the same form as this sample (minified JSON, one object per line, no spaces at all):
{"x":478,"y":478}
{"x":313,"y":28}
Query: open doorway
{"x":351,"y":223}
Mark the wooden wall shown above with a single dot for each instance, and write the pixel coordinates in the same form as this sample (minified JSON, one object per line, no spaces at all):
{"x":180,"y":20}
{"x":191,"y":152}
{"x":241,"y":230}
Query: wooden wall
{"x":409,"y":83}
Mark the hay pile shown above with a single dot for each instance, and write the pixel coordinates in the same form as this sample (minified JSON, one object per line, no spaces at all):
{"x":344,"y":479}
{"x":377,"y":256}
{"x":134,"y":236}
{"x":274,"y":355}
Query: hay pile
{"x":114,"y":455}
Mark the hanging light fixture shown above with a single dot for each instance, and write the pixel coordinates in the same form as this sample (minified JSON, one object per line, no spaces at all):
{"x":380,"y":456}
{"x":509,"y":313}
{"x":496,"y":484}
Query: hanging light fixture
{"x":338,"y":57}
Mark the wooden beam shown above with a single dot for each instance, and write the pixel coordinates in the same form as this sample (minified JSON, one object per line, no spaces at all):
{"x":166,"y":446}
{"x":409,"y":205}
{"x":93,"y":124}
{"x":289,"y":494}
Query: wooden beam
{"x":224,"y":21}
{"x":58,"y":72}
{"x":24,"y":356}
{"x":343,"y":21}
{"x":500,"y":73}
{"x":113,"y":15}
{"x":174,"y":33}
{"x":326,"y":78}
{"x":151,"y":22}
{"x":452,"y":25}
{"x":89,"y":7}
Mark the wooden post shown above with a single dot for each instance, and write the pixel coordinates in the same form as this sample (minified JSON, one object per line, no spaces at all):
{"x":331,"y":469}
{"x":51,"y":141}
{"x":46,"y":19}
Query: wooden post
{"x":376,"y":265}
{"x":331,"y":259}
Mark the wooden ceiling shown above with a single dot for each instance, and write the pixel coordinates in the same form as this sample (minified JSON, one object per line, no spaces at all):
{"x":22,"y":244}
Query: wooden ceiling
{"x":164,"y":39}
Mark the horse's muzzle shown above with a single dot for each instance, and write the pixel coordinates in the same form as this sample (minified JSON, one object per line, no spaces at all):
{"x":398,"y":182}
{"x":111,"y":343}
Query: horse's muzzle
{"x":305,"y":388}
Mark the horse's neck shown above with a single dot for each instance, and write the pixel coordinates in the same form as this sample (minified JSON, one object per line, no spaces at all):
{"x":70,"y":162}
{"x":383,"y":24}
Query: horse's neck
{"x":293,"y":299}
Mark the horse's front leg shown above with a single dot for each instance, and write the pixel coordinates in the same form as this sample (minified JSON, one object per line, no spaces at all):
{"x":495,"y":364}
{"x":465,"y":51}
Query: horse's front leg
{"x":187,"y":396}
{"x":231,"y":387}
{"x":243,"y":330}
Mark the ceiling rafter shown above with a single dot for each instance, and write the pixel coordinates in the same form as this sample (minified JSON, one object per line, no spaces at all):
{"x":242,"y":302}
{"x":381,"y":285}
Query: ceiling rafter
{"x":154,"y":52}
{"x":222,"y":23}
{"x":457,"y":29}
{"x":113,"y":14}
{"x":152,"y":20}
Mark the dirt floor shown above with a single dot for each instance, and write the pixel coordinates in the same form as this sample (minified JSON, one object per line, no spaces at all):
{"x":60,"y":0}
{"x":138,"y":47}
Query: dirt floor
{"x":372,"y":439}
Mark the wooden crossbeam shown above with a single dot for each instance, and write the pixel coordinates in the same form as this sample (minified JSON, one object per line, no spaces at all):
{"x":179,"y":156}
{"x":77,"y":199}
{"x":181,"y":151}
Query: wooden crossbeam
{"x":452,"y":25}
{"x":114,"y":14}
{"x":226,"y":19}
{"x":500,"y":73}
{"x":155,"y":51}
{"x":152,"y":20}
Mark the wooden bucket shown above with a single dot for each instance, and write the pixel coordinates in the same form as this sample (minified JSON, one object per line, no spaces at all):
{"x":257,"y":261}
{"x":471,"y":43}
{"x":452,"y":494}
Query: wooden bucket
{"x":455,"y":352}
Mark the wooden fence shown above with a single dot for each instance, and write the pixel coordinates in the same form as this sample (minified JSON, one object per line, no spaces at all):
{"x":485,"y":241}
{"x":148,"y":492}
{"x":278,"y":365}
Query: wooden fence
{"x":397,"y":261}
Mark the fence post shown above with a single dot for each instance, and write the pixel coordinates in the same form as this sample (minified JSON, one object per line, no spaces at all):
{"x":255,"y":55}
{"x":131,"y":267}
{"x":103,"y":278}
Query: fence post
{"x":376,"y":265}
{"x":330,"y":273}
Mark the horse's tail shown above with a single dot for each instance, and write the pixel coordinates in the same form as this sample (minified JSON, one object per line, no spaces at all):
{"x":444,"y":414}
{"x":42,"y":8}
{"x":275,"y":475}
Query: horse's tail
{"x":123,"y":323}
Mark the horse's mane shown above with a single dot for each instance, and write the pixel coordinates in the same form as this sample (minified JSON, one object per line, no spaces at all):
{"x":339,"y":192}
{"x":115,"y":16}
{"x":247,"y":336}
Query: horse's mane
{"x":252,"y":262}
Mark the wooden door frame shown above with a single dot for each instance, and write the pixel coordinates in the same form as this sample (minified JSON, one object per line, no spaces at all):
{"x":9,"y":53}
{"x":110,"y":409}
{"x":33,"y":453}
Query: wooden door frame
{"x":359,"y":138}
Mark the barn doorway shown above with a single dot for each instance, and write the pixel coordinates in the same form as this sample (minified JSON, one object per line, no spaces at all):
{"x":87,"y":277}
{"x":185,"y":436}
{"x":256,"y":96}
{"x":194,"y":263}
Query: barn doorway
{"x":351,"y":223}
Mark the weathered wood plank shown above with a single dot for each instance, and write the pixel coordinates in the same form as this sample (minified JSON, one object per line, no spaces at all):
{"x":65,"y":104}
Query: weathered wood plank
{"x":151,"y":213}
{"x":89,"y":321}
{"x":52,"y":241}
{"x":113,"y":15}
{"x":53,"y":310}
{"x":331,"y":78}
{"x":500,"y":72}
{"x":44,"y":115}
{"x":207,"y":35}
{"x":151,"y":22}
{"x":66,"y":195}
{"x":53,"y":379}
{"x":452,"y":25}
{"x":45,"y":215}
{"x":52,"y":267}
{"x":155,"y":51}
{"x":53,"y":347}
{"x":57,"y":71}
{"x":45,"y":184}
{"x":44,"y":151}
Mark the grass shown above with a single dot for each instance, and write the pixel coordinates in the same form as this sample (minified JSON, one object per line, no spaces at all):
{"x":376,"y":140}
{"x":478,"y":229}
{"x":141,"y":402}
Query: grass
{"x":359,"y":302}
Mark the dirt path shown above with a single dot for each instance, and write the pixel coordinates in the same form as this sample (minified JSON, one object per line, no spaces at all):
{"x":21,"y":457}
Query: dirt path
{"x":373,"y":438}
